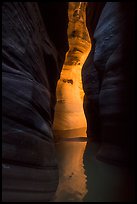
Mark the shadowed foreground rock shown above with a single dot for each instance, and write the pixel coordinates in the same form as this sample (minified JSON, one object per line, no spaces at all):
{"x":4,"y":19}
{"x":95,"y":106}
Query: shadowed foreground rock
{"x":108,"y":79}
{"x":31,"y":66}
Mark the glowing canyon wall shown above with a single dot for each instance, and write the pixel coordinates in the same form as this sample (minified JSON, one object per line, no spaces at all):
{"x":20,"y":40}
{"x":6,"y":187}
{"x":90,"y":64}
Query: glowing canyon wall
{"x":69,"y":112}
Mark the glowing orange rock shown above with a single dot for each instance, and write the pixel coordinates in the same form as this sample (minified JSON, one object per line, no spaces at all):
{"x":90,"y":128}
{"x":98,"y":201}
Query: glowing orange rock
{"x":69,"y":107}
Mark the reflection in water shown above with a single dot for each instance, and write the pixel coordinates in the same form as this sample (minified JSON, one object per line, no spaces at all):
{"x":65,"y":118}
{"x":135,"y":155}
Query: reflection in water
{"x":72,"y":184}
{"x":83,"y":178}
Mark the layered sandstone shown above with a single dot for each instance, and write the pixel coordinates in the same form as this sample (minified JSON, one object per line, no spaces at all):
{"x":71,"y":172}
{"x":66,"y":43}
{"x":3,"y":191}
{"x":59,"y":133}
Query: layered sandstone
{"x":69,"y":113}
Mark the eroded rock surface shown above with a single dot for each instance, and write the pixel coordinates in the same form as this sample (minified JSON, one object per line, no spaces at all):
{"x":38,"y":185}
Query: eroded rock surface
{"x":69,"y":112}
{"x":31,"y":66}
{"x":108,"y":78}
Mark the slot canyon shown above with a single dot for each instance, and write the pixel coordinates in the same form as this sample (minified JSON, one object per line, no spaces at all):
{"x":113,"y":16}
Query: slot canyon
{"x":68,"y":102}
{"x":69,"y":113}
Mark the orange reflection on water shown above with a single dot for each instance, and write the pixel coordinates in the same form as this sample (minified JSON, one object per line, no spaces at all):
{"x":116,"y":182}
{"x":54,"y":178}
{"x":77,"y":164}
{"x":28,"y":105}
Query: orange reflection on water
{"x":72,"y":182}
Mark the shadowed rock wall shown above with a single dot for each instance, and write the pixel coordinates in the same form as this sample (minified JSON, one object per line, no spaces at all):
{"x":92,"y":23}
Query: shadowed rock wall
{"x":108,"y":78}
{"x":31,"y":65}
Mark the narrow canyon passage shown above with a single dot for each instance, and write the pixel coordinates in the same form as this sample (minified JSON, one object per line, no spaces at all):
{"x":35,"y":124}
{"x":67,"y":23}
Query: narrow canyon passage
{"x":82,"y":178}
{"x":68,"y":102}
{"x":69,"y":113}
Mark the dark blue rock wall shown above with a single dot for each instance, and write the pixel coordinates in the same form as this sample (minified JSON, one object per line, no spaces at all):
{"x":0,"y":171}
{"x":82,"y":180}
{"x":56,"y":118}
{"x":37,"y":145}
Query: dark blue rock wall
{"x":108,"y":79}
{"x":31,"y":66}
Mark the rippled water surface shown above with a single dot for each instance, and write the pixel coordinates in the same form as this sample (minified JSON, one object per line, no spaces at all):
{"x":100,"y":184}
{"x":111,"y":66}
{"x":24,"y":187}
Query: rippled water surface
{"x":85,"y":179}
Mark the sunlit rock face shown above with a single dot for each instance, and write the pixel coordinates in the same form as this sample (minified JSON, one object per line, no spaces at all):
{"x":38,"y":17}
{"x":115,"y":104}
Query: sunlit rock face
{"x":69,"y":113}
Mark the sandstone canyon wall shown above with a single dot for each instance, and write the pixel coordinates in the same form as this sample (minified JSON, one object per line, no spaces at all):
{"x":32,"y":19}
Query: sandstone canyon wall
{"x":69,"y":114}
{"x":32,"y":59}
{"x":108,"y":80}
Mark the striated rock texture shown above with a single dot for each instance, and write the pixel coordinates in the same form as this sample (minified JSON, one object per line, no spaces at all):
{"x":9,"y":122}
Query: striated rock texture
{"x":31,"y":65}
{"x":69,"y":114}
{"x":108,"y":79}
